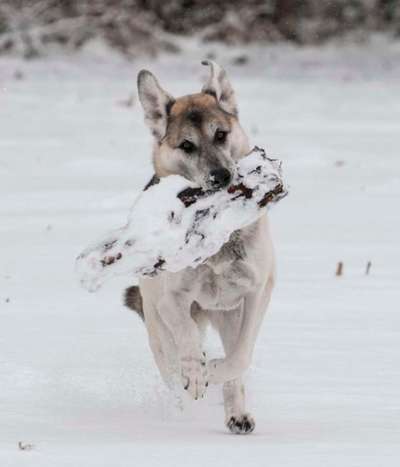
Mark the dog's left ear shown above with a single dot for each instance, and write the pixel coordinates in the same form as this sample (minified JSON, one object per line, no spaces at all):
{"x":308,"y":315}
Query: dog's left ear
{"x":219,"y":86}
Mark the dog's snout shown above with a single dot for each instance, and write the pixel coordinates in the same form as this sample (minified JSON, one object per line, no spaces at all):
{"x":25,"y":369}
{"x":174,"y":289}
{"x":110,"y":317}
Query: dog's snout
{"x":220,"y":178}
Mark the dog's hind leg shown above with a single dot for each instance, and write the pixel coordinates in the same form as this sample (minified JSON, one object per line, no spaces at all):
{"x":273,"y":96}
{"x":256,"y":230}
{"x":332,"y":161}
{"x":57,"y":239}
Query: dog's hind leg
{"x":157,"y":346}
{"x":228,"y":324}
{"x":161,"y":343}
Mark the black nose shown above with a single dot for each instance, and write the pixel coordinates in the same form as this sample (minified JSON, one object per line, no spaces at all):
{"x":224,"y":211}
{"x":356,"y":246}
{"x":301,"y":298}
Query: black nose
{"x":220,"y":178}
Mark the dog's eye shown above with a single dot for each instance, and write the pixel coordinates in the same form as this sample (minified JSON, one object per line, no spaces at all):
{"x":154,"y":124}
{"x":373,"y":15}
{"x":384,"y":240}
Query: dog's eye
{"x":220,"y":136}
{"x":187,"y":146}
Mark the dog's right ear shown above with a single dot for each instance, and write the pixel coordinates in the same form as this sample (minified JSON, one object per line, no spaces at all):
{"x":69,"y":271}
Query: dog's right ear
{"x":156,"y":103}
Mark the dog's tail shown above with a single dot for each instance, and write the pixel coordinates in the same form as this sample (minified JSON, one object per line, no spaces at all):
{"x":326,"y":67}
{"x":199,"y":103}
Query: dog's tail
{"x":133,"y":300}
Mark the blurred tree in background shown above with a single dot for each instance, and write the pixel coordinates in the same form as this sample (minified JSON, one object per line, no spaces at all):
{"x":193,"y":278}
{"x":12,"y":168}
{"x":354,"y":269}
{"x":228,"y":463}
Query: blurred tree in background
{"x":134,"y":27}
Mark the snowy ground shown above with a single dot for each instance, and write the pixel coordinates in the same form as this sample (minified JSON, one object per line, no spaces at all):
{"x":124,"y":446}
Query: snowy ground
{"x":76,"y":378}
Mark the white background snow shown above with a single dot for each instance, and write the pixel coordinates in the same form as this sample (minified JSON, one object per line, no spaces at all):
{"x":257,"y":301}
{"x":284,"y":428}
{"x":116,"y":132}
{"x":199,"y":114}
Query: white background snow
{"x":76,"y":377}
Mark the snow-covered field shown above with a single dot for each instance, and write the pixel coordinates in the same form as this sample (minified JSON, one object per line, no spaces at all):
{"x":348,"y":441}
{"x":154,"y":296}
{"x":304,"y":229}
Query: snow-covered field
{"x":76,"y":378}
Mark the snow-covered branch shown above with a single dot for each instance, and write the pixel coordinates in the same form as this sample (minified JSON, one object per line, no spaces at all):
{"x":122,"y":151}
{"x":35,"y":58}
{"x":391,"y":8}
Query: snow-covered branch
{"x":173,"y":226}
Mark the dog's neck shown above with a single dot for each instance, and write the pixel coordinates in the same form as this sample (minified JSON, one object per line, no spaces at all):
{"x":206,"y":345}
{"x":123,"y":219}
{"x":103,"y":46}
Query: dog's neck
{"x":236,"y":248}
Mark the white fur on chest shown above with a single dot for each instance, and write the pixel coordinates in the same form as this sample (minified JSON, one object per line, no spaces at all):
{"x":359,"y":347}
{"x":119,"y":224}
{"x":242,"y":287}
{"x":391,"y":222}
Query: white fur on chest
{"x":225,"y":279}
{"x":223,"y":287}
{"x":228,"y":276}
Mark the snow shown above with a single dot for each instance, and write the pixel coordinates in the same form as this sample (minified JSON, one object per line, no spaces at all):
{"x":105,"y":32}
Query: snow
{"x":164,"y":230}
{"x":77,"y":380}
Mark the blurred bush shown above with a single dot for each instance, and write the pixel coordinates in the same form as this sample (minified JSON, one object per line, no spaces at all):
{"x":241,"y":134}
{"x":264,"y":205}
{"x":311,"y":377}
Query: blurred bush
{"x":134,"y":27}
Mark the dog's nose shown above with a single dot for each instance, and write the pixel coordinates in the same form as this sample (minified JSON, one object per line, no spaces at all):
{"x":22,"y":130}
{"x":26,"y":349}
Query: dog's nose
{"x":220,"y":178}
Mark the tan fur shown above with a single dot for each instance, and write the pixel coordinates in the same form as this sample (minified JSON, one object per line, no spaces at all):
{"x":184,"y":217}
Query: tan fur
{"x":182,"y":104}
{"x":197,"y":117}
{"x":231,"y":289}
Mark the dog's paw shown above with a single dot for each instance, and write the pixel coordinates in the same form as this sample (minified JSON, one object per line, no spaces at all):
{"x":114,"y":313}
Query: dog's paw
{"x":194,"y":376}
{"x":241,"y":425}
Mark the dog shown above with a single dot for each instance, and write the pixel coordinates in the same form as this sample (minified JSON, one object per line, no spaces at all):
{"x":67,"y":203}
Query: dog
{"x":198,"y":136}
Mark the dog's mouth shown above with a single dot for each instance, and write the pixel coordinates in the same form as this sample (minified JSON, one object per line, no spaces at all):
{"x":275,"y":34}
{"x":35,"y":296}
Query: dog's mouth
{"x":212,"y":189}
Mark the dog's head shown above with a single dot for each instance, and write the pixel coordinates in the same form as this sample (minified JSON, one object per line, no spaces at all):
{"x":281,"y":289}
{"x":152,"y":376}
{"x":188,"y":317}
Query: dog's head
{"x":197,"y":136}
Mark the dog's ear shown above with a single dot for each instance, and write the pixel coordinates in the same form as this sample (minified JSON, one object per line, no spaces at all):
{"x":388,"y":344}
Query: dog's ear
{"x":219,"y":86}
{"x":156,"y":103}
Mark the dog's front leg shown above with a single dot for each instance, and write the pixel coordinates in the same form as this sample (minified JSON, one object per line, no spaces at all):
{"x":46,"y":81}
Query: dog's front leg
{"x":255,"y":304}
{"x":174,"y":308}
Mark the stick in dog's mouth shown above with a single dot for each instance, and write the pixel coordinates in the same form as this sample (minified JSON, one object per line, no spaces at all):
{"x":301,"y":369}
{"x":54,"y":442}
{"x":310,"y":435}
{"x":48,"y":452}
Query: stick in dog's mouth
{"x":196,"y":224}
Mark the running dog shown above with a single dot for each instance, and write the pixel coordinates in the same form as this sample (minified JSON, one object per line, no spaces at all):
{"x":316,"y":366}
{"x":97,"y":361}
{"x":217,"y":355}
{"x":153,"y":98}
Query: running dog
{"x":198,"y":136}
